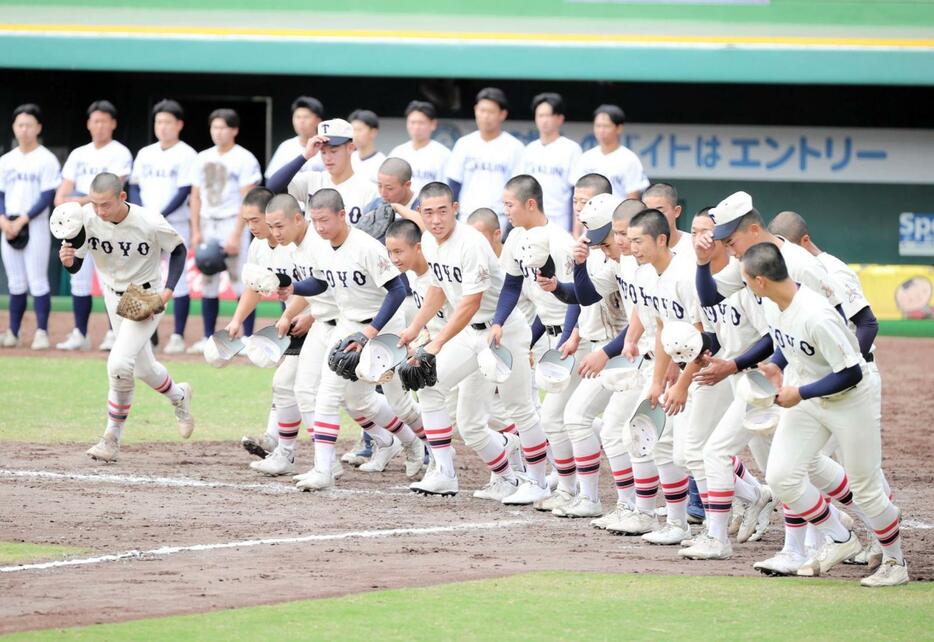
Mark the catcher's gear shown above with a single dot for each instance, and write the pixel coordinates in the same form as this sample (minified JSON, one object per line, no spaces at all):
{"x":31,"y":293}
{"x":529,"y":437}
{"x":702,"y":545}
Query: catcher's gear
{"x":376,"y":221}
{"x":20,"y":240}
{"x":343,"y":361}
{"x":137,"y":304}
{"x":259,"y":279}
{"x":423,"y":374}
{"x":210,"y":258}
{"x":67,"y":224}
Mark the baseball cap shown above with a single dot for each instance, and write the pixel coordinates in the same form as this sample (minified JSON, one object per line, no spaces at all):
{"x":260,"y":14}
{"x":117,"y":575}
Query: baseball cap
{"x":597,"y":216}
{"x":338,"y":131}
{"x":728,"y":213}
{"x":535,"y":251}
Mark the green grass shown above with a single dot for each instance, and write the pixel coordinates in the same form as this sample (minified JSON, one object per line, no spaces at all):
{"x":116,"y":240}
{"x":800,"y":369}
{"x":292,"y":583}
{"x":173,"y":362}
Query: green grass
{"x":563,"y":606}
{"x":58,"y":400}
{"x":25,"y":552}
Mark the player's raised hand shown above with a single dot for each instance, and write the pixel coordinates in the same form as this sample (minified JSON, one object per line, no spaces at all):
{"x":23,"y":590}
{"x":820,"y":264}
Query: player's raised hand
{"x":581,"y":250}
{"x":704,"y":246}
{"x":66,"y":253}
{"x":314,"y":145}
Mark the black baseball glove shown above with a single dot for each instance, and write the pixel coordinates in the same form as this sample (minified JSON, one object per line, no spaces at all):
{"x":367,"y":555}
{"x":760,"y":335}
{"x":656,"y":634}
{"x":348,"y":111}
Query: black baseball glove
{"x":423,"y":374}
{"x":343,"y":361}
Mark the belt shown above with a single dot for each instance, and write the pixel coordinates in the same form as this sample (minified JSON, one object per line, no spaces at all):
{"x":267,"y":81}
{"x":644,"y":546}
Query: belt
{"x":332,"y":322}
{"x":554,"y":330}
{"x":145,"y":286}
{"x":362,"y":321}
{"x":481,"y":326}
{"x":869,"y":357}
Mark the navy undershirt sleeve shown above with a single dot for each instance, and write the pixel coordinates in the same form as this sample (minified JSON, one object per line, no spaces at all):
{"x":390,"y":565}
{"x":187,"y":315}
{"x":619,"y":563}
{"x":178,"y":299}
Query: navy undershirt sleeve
{"x":279,"y":182}
{"x":833,"y":383}
{"x":45,"y":200}
{"x":312,"y":286}
{"x":176,"y":265}
{"x":707,"y":292}
{"x":570,"y":322}
{"x":75,"y":266}
{"x":177,"y":201}
{"x":867,"y":327}
{"x":394,"y":298}
{"x":538,"y":329}
{"x":713,"y":341}
{"x":566,"y":293}
{"x":508,"y":297}
{"x":133,"y":195}
{"x":586,"y":293}
{"x":759,"y":351}
{"x":2,"y":202}
{"x":779,"y":359}
{"x":615,"y":347}
{"x":455,"y":188}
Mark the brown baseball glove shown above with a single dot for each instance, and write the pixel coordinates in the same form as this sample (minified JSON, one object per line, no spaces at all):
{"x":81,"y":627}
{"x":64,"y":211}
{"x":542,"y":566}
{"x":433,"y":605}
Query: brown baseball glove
{"x":137,"y":304}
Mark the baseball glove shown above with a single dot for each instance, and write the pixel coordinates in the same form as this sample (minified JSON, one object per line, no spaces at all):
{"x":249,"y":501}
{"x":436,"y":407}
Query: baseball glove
{"x":377,"y":221}
{"x":344,"y":362}
{"x":422,"y":375}
{"x":137,"y":304}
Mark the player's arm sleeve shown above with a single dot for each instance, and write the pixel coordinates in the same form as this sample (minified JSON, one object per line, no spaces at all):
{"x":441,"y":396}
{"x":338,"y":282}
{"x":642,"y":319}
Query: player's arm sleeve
{"x":615,"y":346}
{"x":508,"y":297}
{"x":565,"y":293}
{"x":176,"y":266}
{"x":707,"y":292}
{"x":455,"y":188}
{"x":454,"y":169}
{"x":75,"y":266}
{"x":571,"y":315}
{"x":279,"y":182}
{"x":312,"y":286}
{"x":133,"y":194}
{"x":758,"y":351}
{"x":867,"y":327}
{"x":180,"y":198}
{"x":778,"y":358}
{"x":395,"y":296}
{"x":710,"y":338}
{"x":41,"y":205}
{"x":833,"y":383}
{"x":538,"y":330}
{"x":2,"y":202}
{"x":586,"y":292}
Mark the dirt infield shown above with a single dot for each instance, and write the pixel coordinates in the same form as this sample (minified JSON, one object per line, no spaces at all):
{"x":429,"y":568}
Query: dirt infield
{"x":202,"y":495}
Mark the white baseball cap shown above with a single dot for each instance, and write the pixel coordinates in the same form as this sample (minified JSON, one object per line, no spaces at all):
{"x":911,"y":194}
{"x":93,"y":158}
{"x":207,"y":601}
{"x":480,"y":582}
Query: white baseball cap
{"x":646,"y":425}
{"x":728,"y":213}
{"x":597,"y":216}
{"x":266,"y":348}
{"x":495,"y":363}
{"x":379,"y":356}
{"x":620,"y":374}
{"x":221,"y":348}
{"x":682,"y":341}
{"x":553,"y":374}
{"x":338,"y":131}
{"x":536,"y":250}
{"x":755,"y":389}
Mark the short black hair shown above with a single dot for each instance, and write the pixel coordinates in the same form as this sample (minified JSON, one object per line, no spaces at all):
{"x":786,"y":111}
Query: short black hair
{"x":549,"y":98}
{"x":312,"y":104}
{"x":599,"y":183}
{"x":104,"y":106}
{"x":495,"y":94}
{"x":168,"y":106}
{"x":662,"y":190}
{"x":653,"y":223}
{"x":406,"y":230}
{"x":326,"y":199}
{"x":229,"y":116}
{"x":749,"y":218}
{"x":365,"y":116}
{"x":525,"y":187}
{"x":30,"y":109}
{"x":433,"y":189}
{"x":705,"y":211}
{"x":615,"y":112}
{"x":765,"y":259}
{"x":258,"y":197}
{"x":422,"y":107}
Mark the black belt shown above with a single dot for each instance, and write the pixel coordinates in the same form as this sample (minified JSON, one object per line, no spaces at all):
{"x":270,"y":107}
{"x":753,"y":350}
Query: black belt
{"x":364,"y":321}
{"x":332,"y":322}
{"x":145,"y":286}
{"x":481,"y":326}
{"x":869,"y":357}
{"x":554,"y":330}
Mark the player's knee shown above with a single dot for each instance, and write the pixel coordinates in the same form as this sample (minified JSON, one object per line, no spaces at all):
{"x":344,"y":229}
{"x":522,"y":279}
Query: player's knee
{"x":475,"y":437}
{"x":431,"y":400}
{"x":121,"y":370}
{"x":784,"y":481}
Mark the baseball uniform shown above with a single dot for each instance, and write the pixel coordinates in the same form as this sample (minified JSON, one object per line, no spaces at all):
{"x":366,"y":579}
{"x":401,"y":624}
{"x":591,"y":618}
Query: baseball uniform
{"x":621,"y":167}
{"x":427,"y":163}
{"x":367,"y":167}
{"x":482,"y":168}
{"x":286,"y":152}
{"x":552,"y":165}
{"x":357,"y":191}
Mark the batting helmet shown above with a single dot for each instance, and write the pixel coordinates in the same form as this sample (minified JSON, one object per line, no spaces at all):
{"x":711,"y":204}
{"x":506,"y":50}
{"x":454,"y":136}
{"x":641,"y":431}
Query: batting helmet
{"x":209,"y":257}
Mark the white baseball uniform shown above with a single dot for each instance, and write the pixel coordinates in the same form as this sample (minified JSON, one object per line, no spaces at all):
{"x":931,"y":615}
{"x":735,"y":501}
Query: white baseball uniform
{"x":23,"y":179}
{"x":552,"y":166}
{"x":287,"y":151}
{"x":367,"y":167}
{"x":419,"y":292}
{"x":621,"y":167}
{"x":482,"y":168}
{"x":427,"y":163}
{"x":357,"y":191}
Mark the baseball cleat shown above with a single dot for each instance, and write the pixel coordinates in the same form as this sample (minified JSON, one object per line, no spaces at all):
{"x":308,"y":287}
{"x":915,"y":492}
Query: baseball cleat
{"x":782,"y":563}
{"x":528,"y":491}
{"x":436,"y":483}
{"x":9,"y":340}
{"x":414,"y":458}
{"x":552,"y":479}
{"x":870,"y":556}
{"x":614,"y":517}
{"x":280,"y":462}
{"x":705,"y":547}
{"x":175,"y":345}
{"x":889,"y":573}
{"x":558,"y":498}
{"x":361,"y":453}
{"x":196,"y":348}
{"x":314,"y":479}
{"x":736,"y":517}
{"x":382,"y":455}
{"x":75,"y":341}
{"x":108,"y":343}
{"x":757,"y":516}
{"x":670,"y":534}
{"x":40,"y":340}
{"x":261,"y":447}
{"x":580,"y":507}
{"x":497,"y":489}
{"x":183,"y":416}
{"x":636,"y":523}
{"x":514,"y":452}
{"x":105,"y":450}
{"x":829,"y":555}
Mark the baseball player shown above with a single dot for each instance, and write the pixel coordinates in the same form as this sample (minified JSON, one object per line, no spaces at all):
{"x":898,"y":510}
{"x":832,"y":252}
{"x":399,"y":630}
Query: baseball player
{"x":365,"y":159}
{"x":161,"y":181}
{"x":29,"y":174}
{"x":427,"y":158}
{"x":125,"y":241}
{"x":825,"y":391}
{"x":369,"y":292}
{"x":467,"y":274}
{"x":610,"y":158}
{"x":482,"y":161}
{"x":552,"y":158}
{"x":394,"y":181}
{"x":664,"y":198}
{"x":334,"y":143}
{"x":102,"y":154}
{"x":307,"y":112}
{"x":220,"y":177}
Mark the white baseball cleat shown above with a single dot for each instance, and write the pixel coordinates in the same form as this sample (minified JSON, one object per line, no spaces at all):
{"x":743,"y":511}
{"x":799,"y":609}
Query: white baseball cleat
{"x":782,"y":563}
{"x":636,"y":523}
{"x":108,"y":343}
{"x":580,"y":507}
{"x":261,"y":447}
{"x":514,"y":452}
{"x":870,"y":556}
{"x":436,"y":483}
{"x":183,"y":416}
{"x":105,"y":450}
{"x":414,"y":458}
{"x":829,"y":555}
{"x":558,"y":498}
{"x":552,"y":479}
{"x":314,"y":479}
{"x":175,"y":345}
{"x":705,"y":547}
{"x":757,"y":516}
{"x":670,"y":534}
{"x":528,"y":491}
{"x":75,"y":341}
{"x":613,"y":518}
{"x":736,"y":517}
{"x":9,"y":340}
{"x":40,"y":340}
{"x":382,"y":455}
{"x":497,"y":489}
{"x":280,"y":462}
{"x":197,"y":347}
{"x":889,"y":573}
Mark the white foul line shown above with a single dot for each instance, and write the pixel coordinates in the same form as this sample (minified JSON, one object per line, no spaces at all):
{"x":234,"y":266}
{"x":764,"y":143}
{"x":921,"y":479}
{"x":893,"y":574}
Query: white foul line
{"x":173,"y":550}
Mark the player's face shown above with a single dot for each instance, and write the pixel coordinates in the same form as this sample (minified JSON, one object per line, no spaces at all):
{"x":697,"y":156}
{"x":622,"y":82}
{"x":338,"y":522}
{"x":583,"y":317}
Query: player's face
{"x":702,"y":225}
{"x":108,"y":206}
{"x":580,"y":198}
{"x":26,"y":129}
{"x":255,"y":219}
{"x":328,"y":223}
{"x":546,"y":121}
{"x":756,"y":284}
{"x":515,"y":210}
{"x":440,"y":215}
{"x":101,"y":126}
{"x":391,"y":189}
{"x":621,"y":239}
{"x":363,"y":135}
{"x":489,"y":116}
{"x":305,"y":122}
{"x":741,"y":240}
{"x":644,"y":248}
{"x":336,"y":159}
{"x":222,"y":134}
{"x":402,"y":254}
{"x":605,"y":131}
{"x":283,"y":227}
{"x":663,"y":205}
{"x":167,"y":127}
{"x":420,"y":127}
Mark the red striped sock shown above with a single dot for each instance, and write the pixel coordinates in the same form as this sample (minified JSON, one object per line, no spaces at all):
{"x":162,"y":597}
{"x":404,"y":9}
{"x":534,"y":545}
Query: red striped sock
{"x":645,"y":477}
{"x":439,"y":431}
{"x":327,"y":428}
